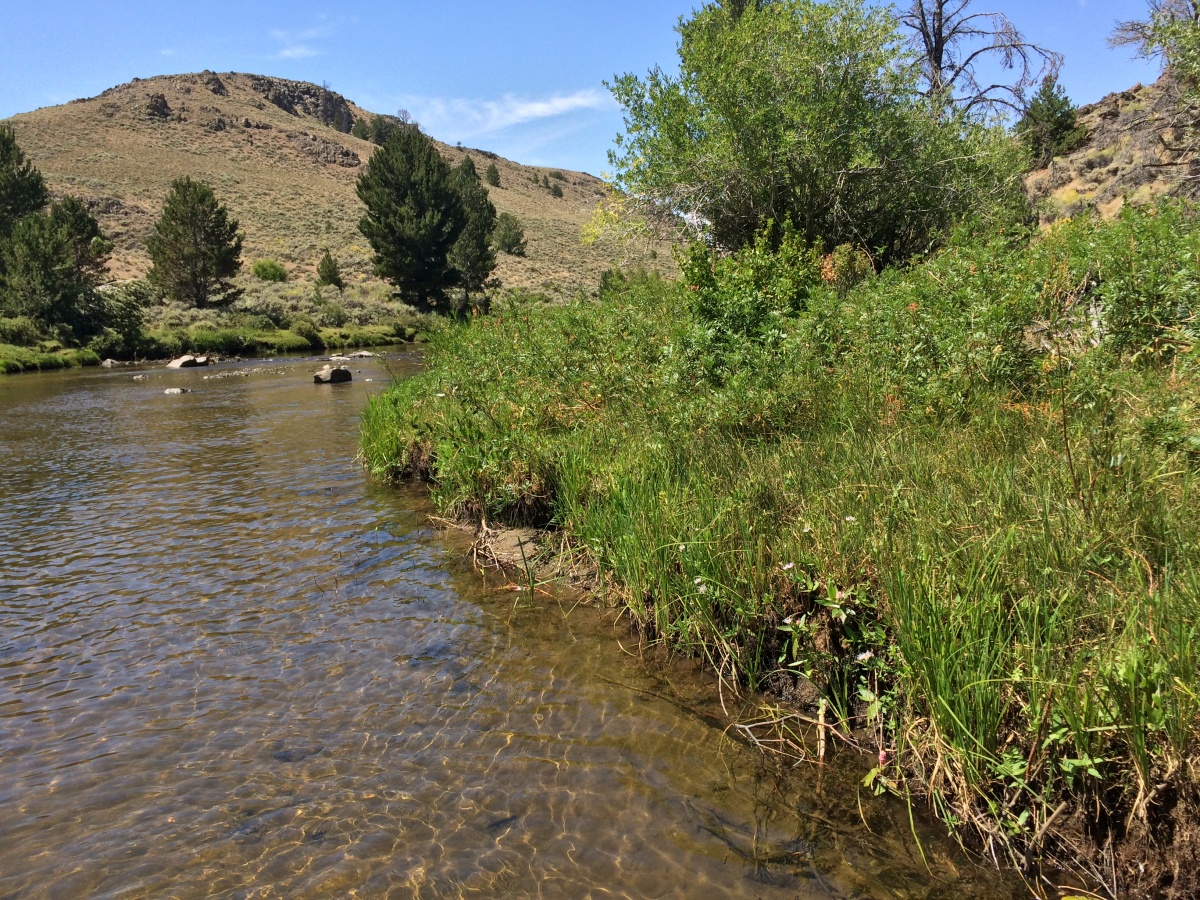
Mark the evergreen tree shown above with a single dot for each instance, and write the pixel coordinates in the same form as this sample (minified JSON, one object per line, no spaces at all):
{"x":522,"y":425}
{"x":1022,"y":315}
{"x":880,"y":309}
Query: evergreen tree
{"x":509,"y":236}
{"x":492,"y":175}
{"x":328,"y":272}
{"x":52,"y":265}
{"x":22,"y":190}
{"x":472,"y":255}
{"x":1049,"y":124}
{"x":414,"y":216}
{"x":195,"y":247}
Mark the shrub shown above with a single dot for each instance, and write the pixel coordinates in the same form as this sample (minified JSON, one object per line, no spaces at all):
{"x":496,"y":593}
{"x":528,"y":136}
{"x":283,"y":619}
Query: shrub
{"x":558,"y":175}
{"x":269,"y":270}
{"x":20,"y":330}
{"x":307,"y":329}
{"x":556,"y":190}
{"x":509,"y":236}
{"x":492,"y":175}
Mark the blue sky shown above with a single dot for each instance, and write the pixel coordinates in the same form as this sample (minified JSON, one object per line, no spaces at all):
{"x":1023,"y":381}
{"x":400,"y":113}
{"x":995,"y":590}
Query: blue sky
{"x":522,"y":78}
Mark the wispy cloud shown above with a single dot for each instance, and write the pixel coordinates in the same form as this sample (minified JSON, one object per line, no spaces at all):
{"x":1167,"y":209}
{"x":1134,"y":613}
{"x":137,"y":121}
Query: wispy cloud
{"x":480,"y":117}
{"x":298,"y":44}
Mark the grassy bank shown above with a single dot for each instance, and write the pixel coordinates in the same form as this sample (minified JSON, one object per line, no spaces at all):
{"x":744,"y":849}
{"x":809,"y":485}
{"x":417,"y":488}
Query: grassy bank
{"x":27,"y":359}
{"x":958,"y":499}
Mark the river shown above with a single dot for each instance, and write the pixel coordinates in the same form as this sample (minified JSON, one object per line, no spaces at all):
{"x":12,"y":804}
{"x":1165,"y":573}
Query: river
{"x":233,"y":666}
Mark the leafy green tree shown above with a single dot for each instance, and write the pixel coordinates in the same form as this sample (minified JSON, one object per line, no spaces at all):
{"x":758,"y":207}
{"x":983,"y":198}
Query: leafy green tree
{"x":492,"y":175}
{"x":195,"y":248}
{"x":269,"y":270}
{"x":472,"y":255}
{"x":414,"y":216}
{"x":1049,"y":125}
{"x":811,"y":115}
{"x":52,"y":265}
{"x":508,"y":236}
{"x":329,"y":272}
{"x":22,"y":190}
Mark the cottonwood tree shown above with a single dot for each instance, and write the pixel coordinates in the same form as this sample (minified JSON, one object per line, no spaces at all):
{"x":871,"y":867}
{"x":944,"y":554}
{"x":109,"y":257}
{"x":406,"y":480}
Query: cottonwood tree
{"x":195,"y":248}
{"x":952,"y":40}
{"x":414,"y":216}
{"x":802,"y":113}
{"x":472,"y":255}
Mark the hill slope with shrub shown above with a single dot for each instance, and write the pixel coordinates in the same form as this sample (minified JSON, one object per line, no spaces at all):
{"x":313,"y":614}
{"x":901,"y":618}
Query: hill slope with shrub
{"x":280,"y":155}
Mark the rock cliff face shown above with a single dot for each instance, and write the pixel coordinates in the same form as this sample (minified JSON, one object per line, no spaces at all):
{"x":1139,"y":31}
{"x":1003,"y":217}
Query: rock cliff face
{"x":1138,"y":149}
{"x":300,"y":98}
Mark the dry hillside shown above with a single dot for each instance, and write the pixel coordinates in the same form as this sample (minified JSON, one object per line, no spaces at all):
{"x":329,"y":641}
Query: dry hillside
{"x":277,"y":154}
{"x":1136,"y":150}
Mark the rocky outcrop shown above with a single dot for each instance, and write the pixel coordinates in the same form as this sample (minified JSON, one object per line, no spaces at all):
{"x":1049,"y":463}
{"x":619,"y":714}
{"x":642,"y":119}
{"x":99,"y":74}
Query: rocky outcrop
{"x":302,"y":98}
{"x":323,"y":150}
{"x":332,"y":375}
{"x":1138,"y":148}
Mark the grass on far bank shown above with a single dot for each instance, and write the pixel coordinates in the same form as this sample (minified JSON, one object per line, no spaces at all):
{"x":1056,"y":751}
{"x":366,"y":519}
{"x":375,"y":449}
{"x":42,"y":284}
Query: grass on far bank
{"x":958,"y":498}
{"x":25,"y":359}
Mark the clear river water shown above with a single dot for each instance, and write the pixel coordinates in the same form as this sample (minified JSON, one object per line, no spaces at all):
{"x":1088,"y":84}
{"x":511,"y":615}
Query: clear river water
{"x":233,"y":666}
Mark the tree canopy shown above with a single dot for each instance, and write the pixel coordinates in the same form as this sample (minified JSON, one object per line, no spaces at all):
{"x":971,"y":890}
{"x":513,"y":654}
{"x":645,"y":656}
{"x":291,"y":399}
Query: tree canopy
{"x":195,"y":248}
{"x":22,"y":190}
{"x":414,"y":216}
{"x":472,"y":255}
{"x":1048,"y":125}
{"x":806,"y":114}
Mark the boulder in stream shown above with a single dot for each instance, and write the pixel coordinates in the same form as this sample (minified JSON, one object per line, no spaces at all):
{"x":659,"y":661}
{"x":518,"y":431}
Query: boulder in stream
{"x":333,"y":375}
{"x":187,"y":361}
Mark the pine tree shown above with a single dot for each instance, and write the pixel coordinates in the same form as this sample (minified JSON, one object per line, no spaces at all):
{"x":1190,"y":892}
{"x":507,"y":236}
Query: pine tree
{"x":22,"y":190}
{"x":414,"y":216}
{"x":472,"y":255}
{"x":1049,"y":124}
{"x":509,"y":236}
{"x":328,"y":272}
{"x":492,"y":175}
{"x":195,"y":247}
{"x":53,"y":263}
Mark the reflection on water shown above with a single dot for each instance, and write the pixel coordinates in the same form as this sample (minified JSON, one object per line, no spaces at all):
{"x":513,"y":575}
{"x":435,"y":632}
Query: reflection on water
{"x":230,"y":666}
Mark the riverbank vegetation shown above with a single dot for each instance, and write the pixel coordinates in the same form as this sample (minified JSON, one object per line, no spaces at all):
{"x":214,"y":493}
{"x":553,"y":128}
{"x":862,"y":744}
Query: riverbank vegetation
{"x":945,"y":478}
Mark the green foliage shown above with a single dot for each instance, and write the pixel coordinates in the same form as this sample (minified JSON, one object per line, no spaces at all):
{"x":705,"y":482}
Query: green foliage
{"x":955,"y":496}
{"x":472,"y":255}
{"x":269,"y":270}
{"x":20,"y":331}
{"x":508,"y":235}
{"x":557,"y":175}
{"x":806,"y":113}
{"x":1048,"y":125}
{"x":377,"y":130}
{"x":52,"y":263}
{"x":22,"y":190}
{"x":414,"y":216}
{"x":492,"y":175}
{"x":195,"y":247}
{"x":329,"y":273}
{"x":556,"y":190}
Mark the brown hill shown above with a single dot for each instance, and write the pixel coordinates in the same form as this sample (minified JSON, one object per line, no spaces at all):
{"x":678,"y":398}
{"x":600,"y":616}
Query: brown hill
{"x":277,"y":152}
{"x":1136,"y":150}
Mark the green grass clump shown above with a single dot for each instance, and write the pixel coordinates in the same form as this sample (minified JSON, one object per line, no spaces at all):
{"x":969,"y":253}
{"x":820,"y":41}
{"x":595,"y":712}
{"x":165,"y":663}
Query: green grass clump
{"x":954,"y":496}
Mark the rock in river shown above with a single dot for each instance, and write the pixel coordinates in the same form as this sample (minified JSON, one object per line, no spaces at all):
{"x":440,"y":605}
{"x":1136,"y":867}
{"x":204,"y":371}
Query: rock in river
{"x":187,"y":361}
{"x":332,"y":375}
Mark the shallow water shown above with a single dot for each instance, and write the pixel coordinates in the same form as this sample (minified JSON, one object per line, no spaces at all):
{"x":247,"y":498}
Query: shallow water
{"x":230,"y":666}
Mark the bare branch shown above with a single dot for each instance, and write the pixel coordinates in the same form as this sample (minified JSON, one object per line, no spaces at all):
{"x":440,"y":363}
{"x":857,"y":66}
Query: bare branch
{"x":951,"y":41}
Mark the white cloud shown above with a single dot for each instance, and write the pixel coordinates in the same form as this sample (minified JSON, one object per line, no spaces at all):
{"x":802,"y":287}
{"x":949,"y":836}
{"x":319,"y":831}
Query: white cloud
{"x":478,"y":117}
{"x":297,"y":51}
{"x":298,"y":44}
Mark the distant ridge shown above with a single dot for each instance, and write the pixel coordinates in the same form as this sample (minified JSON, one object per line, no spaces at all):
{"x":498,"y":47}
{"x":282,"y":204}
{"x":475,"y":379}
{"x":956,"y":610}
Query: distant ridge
{"x":280,"y":155}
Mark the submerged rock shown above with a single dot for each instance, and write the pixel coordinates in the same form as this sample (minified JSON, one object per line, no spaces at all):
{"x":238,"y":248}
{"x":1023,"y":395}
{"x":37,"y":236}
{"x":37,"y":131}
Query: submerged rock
{"x":109,"y":364}
{"x":176,"y":391}
{"x":363,"y":354}
{"x":139,"y":377}
{"x":333,"y":375}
